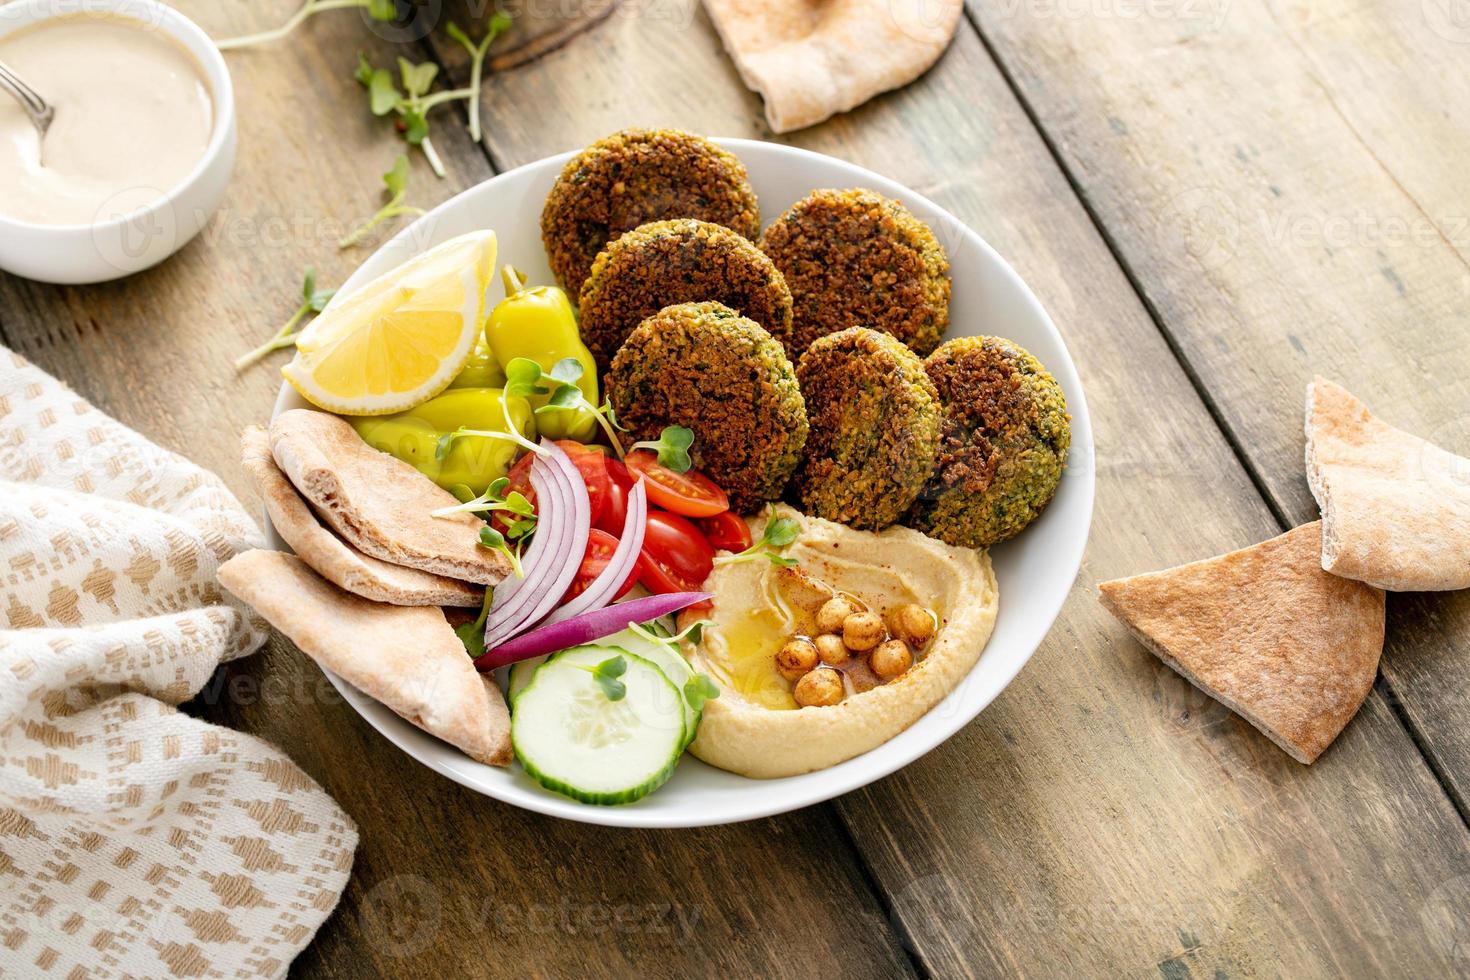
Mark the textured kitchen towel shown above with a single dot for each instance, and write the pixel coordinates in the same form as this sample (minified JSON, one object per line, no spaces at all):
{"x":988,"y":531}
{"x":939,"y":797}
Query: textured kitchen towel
{"x":135,"y":840}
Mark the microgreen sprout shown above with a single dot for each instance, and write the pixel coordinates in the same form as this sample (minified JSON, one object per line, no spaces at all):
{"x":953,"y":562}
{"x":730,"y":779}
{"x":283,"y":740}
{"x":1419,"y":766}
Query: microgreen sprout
{"x":472,"y":635}
{"x":499,"y":23}
{"x":411,"y":104}
{"x":382,"y":10}
{"x":567,"y":395}
{"x":495,"y":500}
{"x":779,"y":532}
{"x":672,"y":446}
{"x":607,"y":673}
{"x":313,"y":300}
{"x":699,"y":689}
{"x":495,"y":541}
{"x":396,"y":181}
{"x":522,"y":380}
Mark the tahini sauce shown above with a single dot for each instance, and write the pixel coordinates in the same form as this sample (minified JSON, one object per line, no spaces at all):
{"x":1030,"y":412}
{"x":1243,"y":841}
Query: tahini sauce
{"x":133,"y":118}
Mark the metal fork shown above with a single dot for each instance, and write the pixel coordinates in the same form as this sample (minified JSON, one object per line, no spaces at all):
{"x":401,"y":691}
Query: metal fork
{"x":40,"y":112}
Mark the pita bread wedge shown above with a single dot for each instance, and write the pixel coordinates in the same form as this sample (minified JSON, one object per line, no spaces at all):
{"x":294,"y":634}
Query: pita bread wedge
{"x":811,"y":59}
{"x":1265,"y":631}
{"x":379,"y":504}
{"x":334,"y":559}
{"x":404,"y":656}
{"x":1395,"y":509}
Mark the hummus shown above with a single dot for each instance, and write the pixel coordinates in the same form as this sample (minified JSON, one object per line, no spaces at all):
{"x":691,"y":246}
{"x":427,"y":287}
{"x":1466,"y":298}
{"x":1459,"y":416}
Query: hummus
{"x":755,"y":727}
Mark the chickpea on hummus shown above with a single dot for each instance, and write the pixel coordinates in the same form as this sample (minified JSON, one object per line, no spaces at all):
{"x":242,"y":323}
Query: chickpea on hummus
{"x":830,"y":657}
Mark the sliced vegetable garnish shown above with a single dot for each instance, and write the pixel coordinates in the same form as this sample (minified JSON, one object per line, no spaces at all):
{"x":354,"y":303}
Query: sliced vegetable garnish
{"x":676,"y":557}
{"x":779,"y":532}
{"x":725,"y":532}
{"x":556,"y":550}
{"x":587,"y":627}
{"x":620,"y":566}
{"x":688,"y":494}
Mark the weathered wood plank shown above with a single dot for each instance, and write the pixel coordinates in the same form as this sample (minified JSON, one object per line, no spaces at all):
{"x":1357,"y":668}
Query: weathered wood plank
{"x":447,"y":883}
{"x":1286,"y":182}
{"x":1102,"y":816}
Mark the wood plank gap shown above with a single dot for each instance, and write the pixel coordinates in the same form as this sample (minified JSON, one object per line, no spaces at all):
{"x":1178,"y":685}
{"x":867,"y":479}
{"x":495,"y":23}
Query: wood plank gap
{"x":459,"y":107}
{"x":907,"y":942}
{"x":1386,"y":688}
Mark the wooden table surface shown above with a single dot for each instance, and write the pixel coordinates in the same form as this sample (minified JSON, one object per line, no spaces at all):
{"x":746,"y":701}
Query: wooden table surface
{"x":1215,"y":200}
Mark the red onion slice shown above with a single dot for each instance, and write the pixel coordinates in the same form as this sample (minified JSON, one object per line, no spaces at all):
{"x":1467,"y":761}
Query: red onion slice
{"x":529,"y":604}
{"x":604,"y":588}
{"x":587,"y":627}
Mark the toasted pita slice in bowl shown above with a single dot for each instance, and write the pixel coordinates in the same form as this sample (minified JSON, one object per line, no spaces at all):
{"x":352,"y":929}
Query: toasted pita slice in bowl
{"x":1287,"y":646}
{"x":334,"y":559}
{"x":810,"y":59}
{"x":1395,"y":508}
{"x":380,"y":505}
{"x":407,"y":657}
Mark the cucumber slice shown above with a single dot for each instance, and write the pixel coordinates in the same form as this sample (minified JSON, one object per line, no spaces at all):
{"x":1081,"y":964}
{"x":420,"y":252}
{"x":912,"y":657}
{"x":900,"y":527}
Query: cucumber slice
{"x":667,"y":658}
{"x":571,"y":739}
{"x":520,"y":675}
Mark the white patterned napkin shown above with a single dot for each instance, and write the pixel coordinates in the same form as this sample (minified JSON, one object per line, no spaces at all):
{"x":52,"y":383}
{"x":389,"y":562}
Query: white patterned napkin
{"x":135,"y":840}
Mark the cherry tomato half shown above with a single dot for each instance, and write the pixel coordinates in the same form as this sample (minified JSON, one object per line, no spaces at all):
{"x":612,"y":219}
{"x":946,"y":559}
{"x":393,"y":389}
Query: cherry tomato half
{"x":676,"y":557}
{"x":600,"y":548}
{"x":689,"y":494}
{"x":619,"y":484}
{"x":725,"y":532}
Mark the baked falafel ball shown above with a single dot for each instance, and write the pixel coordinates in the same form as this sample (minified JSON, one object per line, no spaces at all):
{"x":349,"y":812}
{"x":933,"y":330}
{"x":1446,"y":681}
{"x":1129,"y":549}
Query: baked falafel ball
{"x":874,"y":418}
{"x":631,"y":178}
{"x":1003,"y":442}
{"x":706,"y":367}
{"x":679,"y":261}
{"x":855,"y":258}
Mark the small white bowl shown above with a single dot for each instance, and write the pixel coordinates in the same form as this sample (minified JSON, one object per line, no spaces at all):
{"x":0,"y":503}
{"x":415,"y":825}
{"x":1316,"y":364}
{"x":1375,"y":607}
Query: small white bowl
{"x":143,"y":234}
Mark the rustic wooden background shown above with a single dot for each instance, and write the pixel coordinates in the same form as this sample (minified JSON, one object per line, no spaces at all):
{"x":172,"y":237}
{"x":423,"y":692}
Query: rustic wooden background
{"x":1215,"y":199}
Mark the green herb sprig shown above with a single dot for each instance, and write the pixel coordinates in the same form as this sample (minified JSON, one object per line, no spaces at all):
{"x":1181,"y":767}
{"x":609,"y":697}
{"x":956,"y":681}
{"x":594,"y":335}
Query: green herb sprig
{"x":699,"y":689}
{"x":567,"y":394}
{"x":607,"y":673}
{"x":523,"y":378}
{"x":412,"y":104}
{"x":313,"y":301}
{"x":672,"y":446}
{"x":495,"y":541}
{"x":380,"y":10}
{"x":779,"y":532}
{"x":472,"y":635}
{"x":396,"y":181}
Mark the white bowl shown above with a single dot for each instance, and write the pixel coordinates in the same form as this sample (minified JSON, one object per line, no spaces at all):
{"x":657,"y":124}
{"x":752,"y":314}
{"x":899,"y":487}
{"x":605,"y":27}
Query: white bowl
{"x":1035,"y":570}
{"x":140,"y":227}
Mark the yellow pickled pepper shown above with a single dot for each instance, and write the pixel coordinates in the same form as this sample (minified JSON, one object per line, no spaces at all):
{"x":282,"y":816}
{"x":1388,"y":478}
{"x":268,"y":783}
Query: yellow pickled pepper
{"x":482,"y":370}
{"x":538,"y":322}
{"x":472,"y":461}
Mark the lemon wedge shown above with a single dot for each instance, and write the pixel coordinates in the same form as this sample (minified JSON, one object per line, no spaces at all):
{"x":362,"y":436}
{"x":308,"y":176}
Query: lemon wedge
{"x":398,"y":340}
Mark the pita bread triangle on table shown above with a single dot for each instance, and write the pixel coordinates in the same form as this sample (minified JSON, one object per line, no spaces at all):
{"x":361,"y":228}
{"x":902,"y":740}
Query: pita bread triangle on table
{"x":407,"y":657}
{"x":1395,"y":508}
{"x":810,"y":59}
{"x":331,"y":557}
{"x":380,"y":505}
{"x":1265,"y":631}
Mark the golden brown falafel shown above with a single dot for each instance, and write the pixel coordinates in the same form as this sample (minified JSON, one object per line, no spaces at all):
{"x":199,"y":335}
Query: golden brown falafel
{"x":855,"y":258}
{"x":706,"y":367}
{"x":874,"y":418}
{"x":678,"y":261}
{"x":634,"y":177}
{"x":1003,"y":442}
